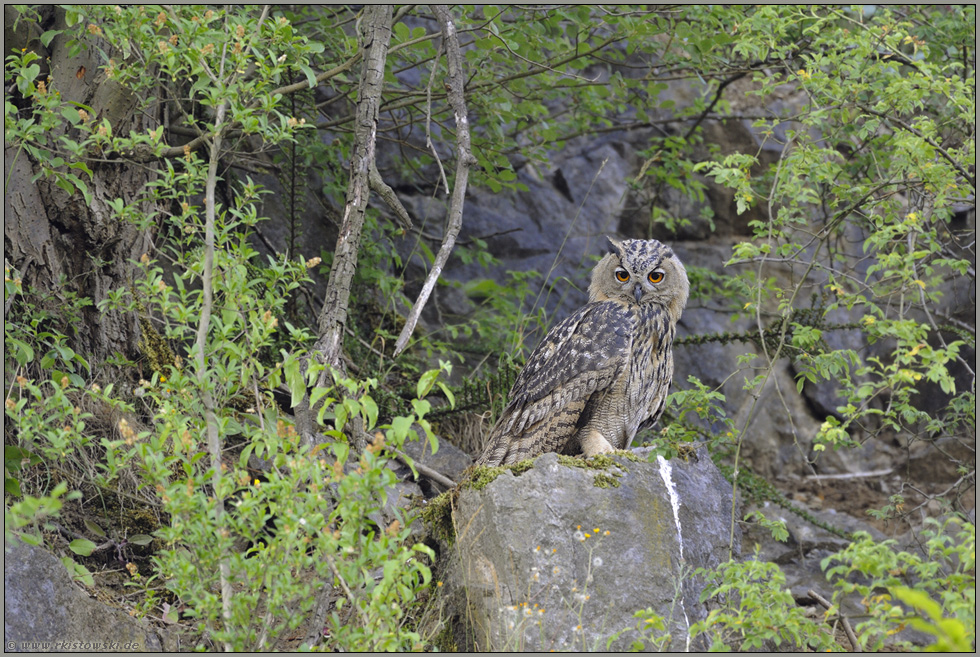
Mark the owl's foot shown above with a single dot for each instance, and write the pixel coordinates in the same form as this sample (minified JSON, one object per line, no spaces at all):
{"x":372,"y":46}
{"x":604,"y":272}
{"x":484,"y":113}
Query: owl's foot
{"x":595,"y":443}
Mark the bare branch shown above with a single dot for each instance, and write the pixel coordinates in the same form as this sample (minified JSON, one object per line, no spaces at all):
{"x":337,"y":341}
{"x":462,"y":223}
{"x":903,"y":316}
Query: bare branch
{"x":425,"y":470}
{"x":464,"y":160}
{"x":379,"y":186}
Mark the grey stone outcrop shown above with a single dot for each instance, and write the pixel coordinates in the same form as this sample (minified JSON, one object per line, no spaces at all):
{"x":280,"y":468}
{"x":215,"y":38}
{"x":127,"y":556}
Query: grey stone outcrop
{"x":560,"y":557}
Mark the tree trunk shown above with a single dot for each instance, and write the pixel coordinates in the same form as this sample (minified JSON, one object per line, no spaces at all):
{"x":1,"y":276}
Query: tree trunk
{"x":58,"y":243}
{"x":375,"y":37}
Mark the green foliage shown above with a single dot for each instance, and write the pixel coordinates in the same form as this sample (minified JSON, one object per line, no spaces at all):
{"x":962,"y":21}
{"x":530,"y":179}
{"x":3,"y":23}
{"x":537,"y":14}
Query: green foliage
{"x":937,"y":590}
{"x":940,"y":585}
{"x":952,"y":634}
{"x":877,"y":92}
{"x":651,"y":627}
{"x":696,"y":414}
{"x":312,"y":517}
{"x":324,"y":527}
{"x":758,"y":611}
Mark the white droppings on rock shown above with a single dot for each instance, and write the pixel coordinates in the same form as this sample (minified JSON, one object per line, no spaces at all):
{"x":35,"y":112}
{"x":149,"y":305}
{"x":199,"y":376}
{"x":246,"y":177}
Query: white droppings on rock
{"x":675,"y":505}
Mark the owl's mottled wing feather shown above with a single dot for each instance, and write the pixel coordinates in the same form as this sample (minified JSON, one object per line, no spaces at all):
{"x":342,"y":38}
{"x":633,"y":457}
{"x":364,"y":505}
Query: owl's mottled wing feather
{"x":580,"y":356}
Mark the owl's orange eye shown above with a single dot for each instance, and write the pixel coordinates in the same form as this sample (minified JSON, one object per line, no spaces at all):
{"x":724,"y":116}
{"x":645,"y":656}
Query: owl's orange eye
{"x":622,"y":275}
{"x":656,"y":276}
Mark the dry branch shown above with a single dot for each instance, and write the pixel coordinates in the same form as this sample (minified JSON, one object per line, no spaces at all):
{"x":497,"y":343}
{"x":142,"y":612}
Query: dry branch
{"x":464,"y":160}
{"x":848,"y":630}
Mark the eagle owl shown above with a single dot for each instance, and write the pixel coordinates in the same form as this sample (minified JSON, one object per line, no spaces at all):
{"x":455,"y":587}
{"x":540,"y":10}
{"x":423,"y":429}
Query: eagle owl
{"x":602,"y":373}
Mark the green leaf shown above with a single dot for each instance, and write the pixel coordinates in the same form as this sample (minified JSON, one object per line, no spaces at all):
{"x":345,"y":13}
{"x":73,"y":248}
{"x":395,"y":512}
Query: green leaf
{"x":94,"y":528}
{"x":294,"y":380}
{"x":433,"y":440}
{"x":140,"y":539}
{"x":24,"y":354}
{"x":71,"y":115}
{"x":401,"y":426}
{"x":448,"y":393}
{"x":426,"y":381}
{"x":317,"y":394}
{"x":78,"y":572}
{"x":13,"y":457}
{"x":370,"y":410}
{"x":82,"y":547}
{"x":401,"y":31}
{"x":310,"y":75}
{"x":11,"y":486}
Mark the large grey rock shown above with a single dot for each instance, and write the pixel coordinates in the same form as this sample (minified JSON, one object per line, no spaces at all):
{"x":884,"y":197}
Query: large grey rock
{"x":44,"y":611}
{"x":552,"y":560}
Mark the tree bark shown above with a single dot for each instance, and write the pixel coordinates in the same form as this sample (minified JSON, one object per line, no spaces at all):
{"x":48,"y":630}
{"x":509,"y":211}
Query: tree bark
{"x":60,"y":244}
{"x":375,"y":38}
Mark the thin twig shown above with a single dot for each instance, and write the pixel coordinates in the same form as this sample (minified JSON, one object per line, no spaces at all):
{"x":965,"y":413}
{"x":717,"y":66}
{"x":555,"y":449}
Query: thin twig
{"x":428,"y":120}
{"x":343,"y":585}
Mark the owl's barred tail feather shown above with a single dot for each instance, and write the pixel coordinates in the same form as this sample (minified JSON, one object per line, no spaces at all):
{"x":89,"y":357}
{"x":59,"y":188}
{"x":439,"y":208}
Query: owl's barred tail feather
{"x":494,"y":454}
{"x":554,"y":433}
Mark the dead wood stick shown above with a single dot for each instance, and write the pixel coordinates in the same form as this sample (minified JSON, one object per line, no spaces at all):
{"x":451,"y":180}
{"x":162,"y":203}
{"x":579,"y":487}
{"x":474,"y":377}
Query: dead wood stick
{"x":855,"y":646}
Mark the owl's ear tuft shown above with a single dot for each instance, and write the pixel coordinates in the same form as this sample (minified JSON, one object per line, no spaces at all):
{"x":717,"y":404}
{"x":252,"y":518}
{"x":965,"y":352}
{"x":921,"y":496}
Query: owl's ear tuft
{"x":616,"y":245}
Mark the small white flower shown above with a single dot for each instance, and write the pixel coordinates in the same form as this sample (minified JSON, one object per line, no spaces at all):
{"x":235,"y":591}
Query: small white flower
{"x":597,"y":562}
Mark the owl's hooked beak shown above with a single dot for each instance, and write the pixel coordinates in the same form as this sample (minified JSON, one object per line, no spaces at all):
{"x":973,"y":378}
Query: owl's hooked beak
{"x":638,"y":293}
